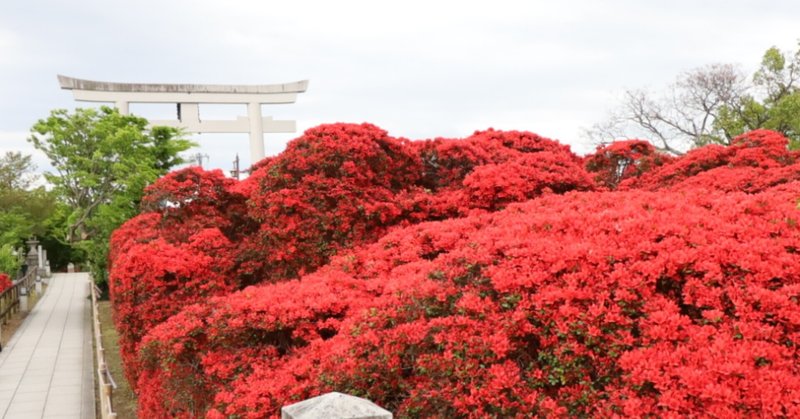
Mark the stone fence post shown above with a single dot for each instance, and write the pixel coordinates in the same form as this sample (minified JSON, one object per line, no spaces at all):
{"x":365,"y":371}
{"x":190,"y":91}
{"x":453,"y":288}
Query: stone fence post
{"x":32,"y":258}
{"x":335,"y":406}
{"x":34,"y":261}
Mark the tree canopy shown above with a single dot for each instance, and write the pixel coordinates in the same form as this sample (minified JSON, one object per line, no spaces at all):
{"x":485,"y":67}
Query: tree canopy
{"x":103,"y":160}
{"x":773,"y":101}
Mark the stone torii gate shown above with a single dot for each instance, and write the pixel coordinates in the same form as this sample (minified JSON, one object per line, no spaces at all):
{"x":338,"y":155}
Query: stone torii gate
{"x":188,"y":97}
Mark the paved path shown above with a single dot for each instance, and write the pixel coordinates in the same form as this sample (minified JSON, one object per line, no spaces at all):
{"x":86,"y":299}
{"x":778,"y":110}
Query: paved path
{"x":46,"y":368}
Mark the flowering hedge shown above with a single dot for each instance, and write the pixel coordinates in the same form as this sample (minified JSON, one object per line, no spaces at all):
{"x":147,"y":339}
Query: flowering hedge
{"x":178,"y":253}
{"x":335,"y":187}
{"x":643,"y":285}
{"x":332,"y":188}
{"x":764,"y":152}
{"x":624,"y":160}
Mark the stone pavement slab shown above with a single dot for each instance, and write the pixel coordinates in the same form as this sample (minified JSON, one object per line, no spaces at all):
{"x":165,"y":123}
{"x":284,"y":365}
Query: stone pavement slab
{"x":46,"y":370}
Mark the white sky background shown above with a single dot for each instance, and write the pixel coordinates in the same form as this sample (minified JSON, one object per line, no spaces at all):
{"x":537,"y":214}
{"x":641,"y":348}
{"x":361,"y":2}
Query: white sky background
{"x":419,"y":69}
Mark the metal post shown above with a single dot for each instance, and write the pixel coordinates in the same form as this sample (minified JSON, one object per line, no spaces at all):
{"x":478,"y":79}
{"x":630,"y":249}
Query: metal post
{"x":235,"y":172}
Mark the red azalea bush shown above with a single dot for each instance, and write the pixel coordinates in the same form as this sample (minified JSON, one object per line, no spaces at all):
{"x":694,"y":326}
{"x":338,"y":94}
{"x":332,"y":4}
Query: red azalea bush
{"x":178,"y":252}
{"x":595,"y":297}
{"x":585,"y":304}
{"x":493,"y":186}
{"x":5,"y":282}
{"x":191,"y":199}
{"x":342,"y":185}
{"x":446,"y":162}
{"x":763,"y":151}
{"x":179,"y":205}
{"x":263,"y":324}
{"x":621,"y":160}
{"x":332,"y":188}
{"x":155,"y":280}
{"x":488,"y":170}
{"x":335,"y":187}
{"x":142,"y":228}
{"x":741,"y":178}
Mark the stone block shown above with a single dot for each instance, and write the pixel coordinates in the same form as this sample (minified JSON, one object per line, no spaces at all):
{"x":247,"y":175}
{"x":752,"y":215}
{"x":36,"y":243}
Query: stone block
{"x":335,"y":406}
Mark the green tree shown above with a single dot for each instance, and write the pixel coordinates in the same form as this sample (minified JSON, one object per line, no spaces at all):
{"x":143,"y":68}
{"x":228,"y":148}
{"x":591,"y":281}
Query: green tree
{"x":103,"y":160}
{"x":16,"y":171}
{"x":9,"y":262}
{"x":774,"y":102}
{"x":24,"y":209}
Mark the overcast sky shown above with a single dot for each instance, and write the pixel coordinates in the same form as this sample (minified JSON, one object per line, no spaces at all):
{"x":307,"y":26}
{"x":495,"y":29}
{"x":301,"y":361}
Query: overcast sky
{"x":419,"y":69}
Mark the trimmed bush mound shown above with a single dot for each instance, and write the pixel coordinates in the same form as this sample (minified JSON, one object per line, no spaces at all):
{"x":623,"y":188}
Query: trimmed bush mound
{"x":498,"y":275}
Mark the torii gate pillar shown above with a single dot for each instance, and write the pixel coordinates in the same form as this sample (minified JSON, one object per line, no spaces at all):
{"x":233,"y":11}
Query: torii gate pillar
{"x":256,"y":129}
{"x":188,"y":97}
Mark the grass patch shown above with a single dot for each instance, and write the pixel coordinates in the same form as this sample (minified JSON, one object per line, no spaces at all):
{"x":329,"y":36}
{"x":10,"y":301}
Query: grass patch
{"x":124,"y":399}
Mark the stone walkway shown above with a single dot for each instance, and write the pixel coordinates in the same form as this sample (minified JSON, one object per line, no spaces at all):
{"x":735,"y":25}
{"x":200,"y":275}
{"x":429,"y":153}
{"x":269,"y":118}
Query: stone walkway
{"x":46,"y":369}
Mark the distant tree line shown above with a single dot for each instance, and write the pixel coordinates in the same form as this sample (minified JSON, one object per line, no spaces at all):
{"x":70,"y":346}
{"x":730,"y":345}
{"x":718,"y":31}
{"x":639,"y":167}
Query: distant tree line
{"x":27,"y":208}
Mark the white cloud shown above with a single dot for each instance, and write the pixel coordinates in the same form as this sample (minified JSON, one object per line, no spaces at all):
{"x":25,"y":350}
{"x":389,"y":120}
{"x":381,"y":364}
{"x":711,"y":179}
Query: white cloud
{"x":7,"y":42}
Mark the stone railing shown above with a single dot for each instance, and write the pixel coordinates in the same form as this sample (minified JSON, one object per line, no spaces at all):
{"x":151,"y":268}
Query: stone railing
{"x":105,"y":382}
{"x":15,"y":298}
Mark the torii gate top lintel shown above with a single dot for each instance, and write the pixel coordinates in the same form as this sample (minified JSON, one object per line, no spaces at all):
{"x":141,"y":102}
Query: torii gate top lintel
{"x":189,"y":96}
{"x":71,"y":83}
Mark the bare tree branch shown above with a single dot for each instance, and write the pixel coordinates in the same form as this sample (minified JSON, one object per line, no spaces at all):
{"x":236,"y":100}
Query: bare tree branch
{"x":684,"y":116}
